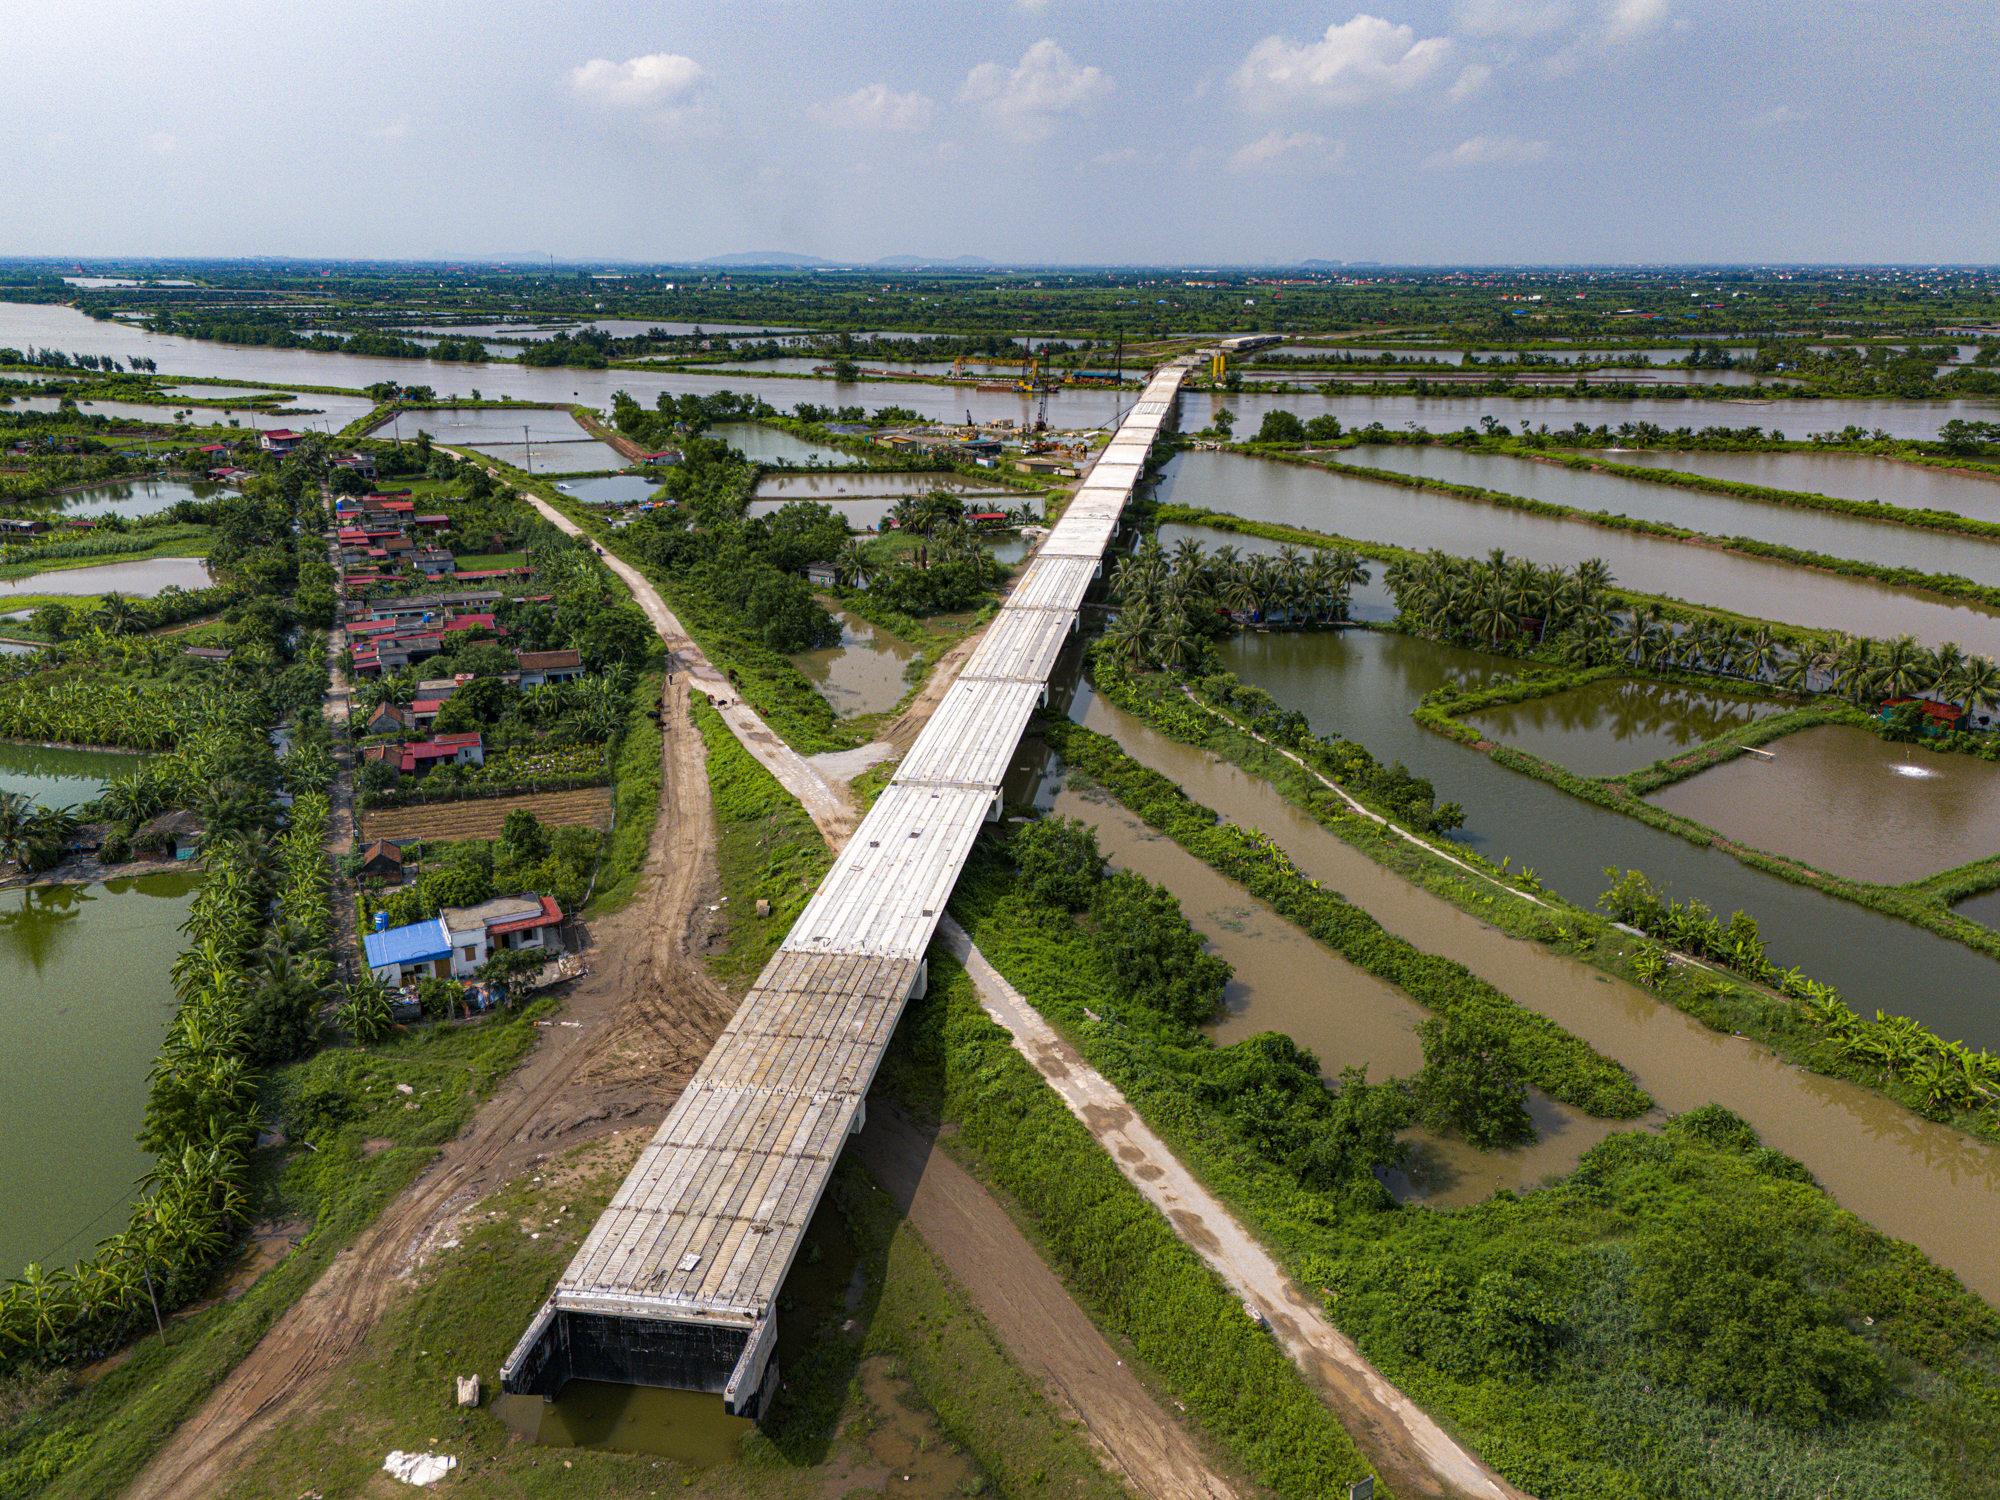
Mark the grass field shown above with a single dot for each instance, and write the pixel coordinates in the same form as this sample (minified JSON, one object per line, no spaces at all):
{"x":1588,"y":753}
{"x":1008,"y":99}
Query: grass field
{"x":587,"y":807}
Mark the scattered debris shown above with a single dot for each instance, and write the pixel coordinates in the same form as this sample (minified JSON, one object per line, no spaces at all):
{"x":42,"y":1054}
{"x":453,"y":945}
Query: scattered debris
{"x":468,"y":1390}
{"x":1250,"y":1311}
{"x":404,"y":1088}
{"x":419,"y":1468}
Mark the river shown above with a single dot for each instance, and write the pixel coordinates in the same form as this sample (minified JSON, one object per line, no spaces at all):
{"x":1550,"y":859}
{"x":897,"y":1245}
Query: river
{"x":65,"y":328}
{"x":84,"y":1003}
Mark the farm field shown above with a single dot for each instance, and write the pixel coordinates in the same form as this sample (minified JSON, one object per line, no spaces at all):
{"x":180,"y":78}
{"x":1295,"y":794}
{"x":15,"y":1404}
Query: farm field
{"x":585,"y":807}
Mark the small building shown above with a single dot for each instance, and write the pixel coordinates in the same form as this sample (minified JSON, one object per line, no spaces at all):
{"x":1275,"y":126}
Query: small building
{"x":281,"y":440}
{"x":391,"y":718}
{"x":422,"y":950}
{"x":822,"y":575}
{"x":447,"y":749}
{"x":1939,"y":718}
{"x":209,"y":653}
{"x":504,"y":923}
{"x":539,"y":667}
{"x":177,"y":833}
{"x":382,"y":860}
{"x":434,"y":562}
{"x":21,"y":526}
{"x":431,"y":523}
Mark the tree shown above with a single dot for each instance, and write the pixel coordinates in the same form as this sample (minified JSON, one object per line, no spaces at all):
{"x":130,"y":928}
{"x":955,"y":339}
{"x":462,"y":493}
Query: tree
{"x":523,"y":840}
{"x":1471,"y":1084}
{"x":1224,"y":421}
{"x":1059,"y":862}
{"x":1153,"y":955}
{"x":1281,"y":427}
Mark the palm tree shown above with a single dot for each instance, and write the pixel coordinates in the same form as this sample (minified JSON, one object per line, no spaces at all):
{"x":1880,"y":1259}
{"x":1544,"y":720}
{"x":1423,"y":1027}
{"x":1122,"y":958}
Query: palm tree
{"x":852,"y":565}
{"x":1854,"y":667}
{"x":119,"y":613}
{"x":1126,"y":641}
{"x":1975,"y":685}
{"x":1903,"y":670}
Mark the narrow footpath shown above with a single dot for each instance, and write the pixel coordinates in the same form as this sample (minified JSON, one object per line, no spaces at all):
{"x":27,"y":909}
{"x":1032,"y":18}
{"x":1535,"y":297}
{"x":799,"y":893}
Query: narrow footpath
{"x":1411,"y":1452}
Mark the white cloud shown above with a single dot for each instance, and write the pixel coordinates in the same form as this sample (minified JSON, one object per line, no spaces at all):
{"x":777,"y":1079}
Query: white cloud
{"x":1471,"y":79}
{"x":879,"y":107}
{"x":1028,"y":101}
{"x":1783,"y":114}
{"x":1033,"y":7}
{"x":1277,"y":149}
{"x":1510,"y":17}
{"x":1489,"y":151}
{"x":1627,"y":20}
{"x":664,"y":92}
{"x":394,"y":130}
{"x":160,"y":143}
{"x":1355,"y":60}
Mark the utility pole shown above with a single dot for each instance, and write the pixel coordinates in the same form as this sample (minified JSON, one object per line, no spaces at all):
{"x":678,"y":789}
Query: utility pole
{"x":530,"y":447}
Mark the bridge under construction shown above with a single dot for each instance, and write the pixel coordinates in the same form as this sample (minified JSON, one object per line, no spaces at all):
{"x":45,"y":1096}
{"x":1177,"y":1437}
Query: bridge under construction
{"x":677,"y":1283}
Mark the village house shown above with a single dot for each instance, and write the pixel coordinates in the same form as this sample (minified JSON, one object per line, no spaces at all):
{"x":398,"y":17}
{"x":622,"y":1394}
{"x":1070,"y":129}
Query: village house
{"x":539,"y":667}
{"x":419,"y":950}
{"x":280,"y":440}
{"x":382,"y":860}
{"x":505,"y":923}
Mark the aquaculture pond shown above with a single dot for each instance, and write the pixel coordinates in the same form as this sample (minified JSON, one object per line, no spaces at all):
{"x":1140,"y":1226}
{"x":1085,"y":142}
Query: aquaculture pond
{"x":1929,"y":1184}
{"x":864,"y":674}
{"x":842,"y":485}
{"x":613,"y":489}
{"x":143,"y":577}
{"x":84,"y":1003}
{"x":860,"y":514}
{"x":773,"y":445}
{"x":1363,"y":684}
{"x":130,"y":498}
{"x":1846,"y":476}
{"x":61,"y":778}
{"x":1845,"y":799}
{"x":476,"y":424}
{"x":1615,"y":725}
{"x":1365,"y":510}
{"x":1718,"y":515}
{"x":585,"y":457}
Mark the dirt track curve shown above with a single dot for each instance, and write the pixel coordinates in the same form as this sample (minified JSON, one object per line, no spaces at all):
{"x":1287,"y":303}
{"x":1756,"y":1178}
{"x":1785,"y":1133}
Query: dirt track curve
{"x":648,"y":1014}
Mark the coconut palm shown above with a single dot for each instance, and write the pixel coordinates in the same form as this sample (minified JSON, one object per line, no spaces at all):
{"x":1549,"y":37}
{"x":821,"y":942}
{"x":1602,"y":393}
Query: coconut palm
{"x":1975,"y":685}
{"x":1903,"y":669}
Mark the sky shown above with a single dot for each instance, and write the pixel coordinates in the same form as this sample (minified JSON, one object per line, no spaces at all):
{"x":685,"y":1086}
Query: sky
{"x":1025,"y":131}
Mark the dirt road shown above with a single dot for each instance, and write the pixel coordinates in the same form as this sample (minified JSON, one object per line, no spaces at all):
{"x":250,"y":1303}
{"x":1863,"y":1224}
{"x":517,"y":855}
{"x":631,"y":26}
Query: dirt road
{"x":1411,"y":1452}
{"x":1033,"y":1315}
{"x":648,"y":1013}
{"x":829,"y":806}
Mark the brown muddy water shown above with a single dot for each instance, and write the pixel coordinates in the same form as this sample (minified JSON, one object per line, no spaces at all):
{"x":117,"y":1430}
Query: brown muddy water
{"x":1614,"y":725}
{"x":143,"y":578}
{"x":864,"y":674}
{"x":1844,"y":799}
{"x":1346,"y":1017}
{"x":1926,"y":1183}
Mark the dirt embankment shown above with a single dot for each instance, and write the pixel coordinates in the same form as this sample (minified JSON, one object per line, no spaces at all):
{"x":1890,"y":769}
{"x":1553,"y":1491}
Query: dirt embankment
{"x":646,"y":1016}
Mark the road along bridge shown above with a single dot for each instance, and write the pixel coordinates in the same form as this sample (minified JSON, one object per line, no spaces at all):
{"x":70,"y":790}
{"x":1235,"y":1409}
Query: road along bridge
{"x":677,"y":1283}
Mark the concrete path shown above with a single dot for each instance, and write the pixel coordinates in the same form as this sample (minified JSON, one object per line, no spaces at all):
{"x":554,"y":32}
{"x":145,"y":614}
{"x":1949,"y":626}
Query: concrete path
{"x":1411,"y":1452}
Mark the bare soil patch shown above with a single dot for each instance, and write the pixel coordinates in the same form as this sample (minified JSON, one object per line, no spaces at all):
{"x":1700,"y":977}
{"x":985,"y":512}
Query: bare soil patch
{"x":586,"y":807}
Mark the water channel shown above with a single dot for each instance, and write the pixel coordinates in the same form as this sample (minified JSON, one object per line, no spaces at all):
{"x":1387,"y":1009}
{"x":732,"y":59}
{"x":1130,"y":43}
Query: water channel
{"x":1365,"y":510}
{"x":1929,"y":1184}
{"x":1363,"y":684}
{"x":84,"y":1003}
{"x":1850,"y":537}
{"x":130,"y":498}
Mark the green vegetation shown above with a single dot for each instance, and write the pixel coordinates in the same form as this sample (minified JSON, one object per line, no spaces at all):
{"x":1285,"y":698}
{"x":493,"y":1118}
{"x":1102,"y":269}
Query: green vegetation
{"x":1551,"y":1059}
{"x":1686,"y":1313}
{"x":1120,"y":1258}
{"x":766,"y":847}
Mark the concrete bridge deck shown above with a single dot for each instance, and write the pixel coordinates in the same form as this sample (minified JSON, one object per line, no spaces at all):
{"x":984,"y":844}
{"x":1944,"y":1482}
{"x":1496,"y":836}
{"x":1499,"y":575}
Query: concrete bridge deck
{"x":676,"y":1285}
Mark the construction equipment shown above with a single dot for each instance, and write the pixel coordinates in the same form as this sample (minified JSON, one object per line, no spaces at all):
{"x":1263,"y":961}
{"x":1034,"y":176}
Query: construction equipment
{"x":1218,"y":367}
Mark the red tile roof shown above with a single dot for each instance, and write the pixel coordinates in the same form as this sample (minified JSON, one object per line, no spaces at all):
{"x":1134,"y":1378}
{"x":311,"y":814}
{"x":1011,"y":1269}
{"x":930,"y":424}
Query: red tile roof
{"x":549,"y":915}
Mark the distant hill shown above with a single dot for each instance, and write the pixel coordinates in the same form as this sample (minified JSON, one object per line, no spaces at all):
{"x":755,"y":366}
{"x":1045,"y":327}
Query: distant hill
{"x":1322,"y":265}
{"x":766,"y":258}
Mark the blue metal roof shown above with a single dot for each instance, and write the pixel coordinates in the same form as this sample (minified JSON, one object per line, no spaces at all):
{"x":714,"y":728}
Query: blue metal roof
{"x":417,"y":943}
